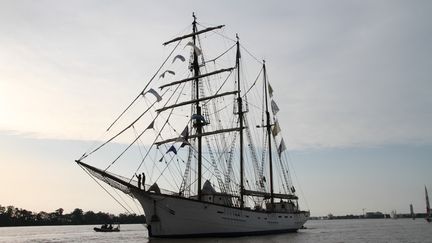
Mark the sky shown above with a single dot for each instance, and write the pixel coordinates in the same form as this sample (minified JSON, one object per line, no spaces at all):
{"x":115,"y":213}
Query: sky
{"x":352,"y":78}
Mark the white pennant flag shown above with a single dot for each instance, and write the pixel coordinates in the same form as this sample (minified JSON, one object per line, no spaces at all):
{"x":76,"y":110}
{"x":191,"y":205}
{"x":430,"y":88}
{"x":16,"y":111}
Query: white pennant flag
{"x":274,"y":107}
{"x":270,"y":90}
{"x":276,"y":129}
{"x":167,"y":71}
{"x":180,"y":57}
{"x":155,"y":93}
{"x":197,"y":50}
{"x":281,"y":147}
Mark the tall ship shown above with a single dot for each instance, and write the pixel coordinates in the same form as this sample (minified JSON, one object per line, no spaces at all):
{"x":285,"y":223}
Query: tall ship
{"x":200,"y":147}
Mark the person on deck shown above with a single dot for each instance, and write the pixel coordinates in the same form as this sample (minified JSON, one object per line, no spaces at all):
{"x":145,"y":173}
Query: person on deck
{"x":143,"y":181}
{"x":139,"y":180}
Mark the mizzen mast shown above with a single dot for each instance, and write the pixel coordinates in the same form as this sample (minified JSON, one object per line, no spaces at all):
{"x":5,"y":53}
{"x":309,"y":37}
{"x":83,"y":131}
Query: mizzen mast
{"x":268,"y":127}
{"x":240,"y":115}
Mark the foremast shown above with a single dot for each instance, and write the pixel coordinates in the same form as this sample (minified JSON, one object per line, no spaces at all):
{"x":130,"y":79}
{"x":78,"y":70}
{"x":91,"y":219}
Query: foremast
{"x":198,"y":124}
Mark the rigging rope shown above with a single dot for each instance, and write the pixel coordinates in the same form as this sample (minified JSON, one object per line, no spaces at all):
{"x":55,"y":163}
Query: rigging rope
{"x":254,"y":155}
{"x":225,"y":52}
{"x":250,"y":54}
{"x":106,"y":190}
{"x":233,"y":40}
{"x":301,"y":190}
{"x":142,"y":161}
{"x":136,"y":98}
{"x":220,"y":34}
{"x":254,"y":83}
{"x":119,"y":133}
{"x":123,"y":200}
{"x":187,"y":172}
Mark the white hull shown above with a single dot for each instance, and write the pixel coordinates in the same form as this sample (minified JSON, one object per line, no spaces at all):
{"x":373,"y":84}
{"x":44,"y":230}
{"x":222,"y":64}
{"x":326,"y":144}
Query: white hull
{"x":169,"y":216}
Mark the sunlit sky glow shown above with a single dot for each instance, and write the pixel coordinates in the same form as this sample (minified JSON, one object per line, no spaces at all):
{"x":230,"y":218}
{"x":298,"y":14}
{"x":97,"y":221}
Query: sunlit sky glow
{"x":352,"y":78}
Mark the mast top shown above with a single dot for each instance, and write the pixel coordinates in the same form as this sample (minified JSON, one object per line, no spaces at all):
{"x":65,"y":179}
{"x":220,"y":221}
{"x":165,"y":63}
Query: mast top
{"x":194,"y":17}
{"x":237,"y":37}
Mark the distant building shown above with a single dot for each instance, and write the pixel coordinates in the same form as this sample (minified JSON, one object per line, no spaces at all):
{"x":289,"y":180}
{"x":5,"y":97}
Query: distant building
{"x":374,"y":215}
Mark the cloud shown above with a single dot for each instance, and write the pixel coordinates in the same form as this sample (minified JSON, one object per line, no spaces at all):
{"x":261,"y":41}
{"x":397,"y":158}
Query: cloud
{"x":346,"y":74}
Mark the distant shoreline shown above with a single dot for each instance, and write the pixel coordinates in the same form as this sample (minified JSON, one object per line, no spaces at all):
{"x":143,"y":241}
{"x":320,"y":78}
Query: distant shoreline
{"x":375,"y":215}
{"x":11,"y":216}
{"x":47,"y":225}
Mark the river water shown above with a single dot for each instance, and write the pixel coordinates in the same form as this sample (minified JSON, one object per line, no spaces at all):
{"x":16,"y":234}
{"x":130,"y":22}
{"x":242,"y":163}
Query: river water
{"x":334,"y":231}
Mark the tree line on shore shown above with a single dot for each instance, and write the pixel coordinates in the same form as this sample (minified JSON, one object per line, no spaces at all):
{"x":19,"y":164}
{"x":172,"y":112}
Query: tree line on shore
{"x":12,"y":216}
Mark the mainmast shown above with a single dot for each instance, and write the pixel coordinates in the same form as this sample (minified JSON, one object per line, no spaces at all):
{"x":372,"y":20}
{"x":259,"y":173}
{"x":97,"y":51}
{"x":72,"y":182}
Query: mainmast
{"x":240,"y":114}
{"x":268,"y":126}
{"x":198,"y":123}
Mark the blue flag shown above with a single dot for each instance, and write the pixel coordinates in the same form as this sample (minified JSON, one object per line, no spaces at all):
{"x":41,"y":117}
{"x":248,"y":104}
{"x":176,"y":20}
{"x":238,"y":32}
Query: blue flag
{"x":172,"y":149}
